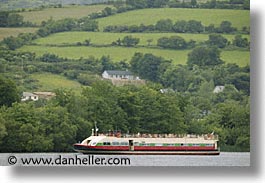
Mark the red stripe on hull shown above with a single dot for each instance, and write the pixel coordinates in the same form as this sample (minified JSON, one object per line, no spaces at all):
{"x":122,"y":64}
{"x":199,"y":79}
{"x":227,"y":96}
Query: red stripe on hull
{"x":148,"y":148}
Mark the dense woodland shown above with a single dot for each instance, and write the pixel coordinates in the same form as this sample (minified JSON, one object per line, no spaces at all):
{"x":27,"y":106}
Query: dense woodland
{"x":187,"y":104}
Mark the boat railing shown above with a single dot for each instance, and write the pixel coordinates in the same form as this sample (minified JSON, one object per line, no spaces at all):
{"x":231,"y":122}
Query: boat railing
{"x":147,"y":135}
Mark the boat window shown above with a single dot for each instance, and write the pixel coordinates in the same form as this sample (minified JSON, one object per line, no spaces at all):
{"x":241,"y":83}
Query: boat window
{"x":106,"y":143}
{"x":87,"y":142}
{"x":115,"y":143}
{"x":124,"y":143}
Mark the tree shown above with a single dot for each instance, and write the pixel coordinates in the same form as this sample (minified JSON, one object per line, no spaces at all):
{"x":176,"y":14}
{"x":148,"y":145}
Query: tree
{"x":246,"y":4}
{"x":59,"y":127}
{"x":193,"y":3}
{"x":180,"y":26}
{"x":148,"y":66}
{"x":174,"y":42}
{"x":217,"y":40}
{"x":50,"y":57}
{"x":87,"y":42}
{"x":136,"y":4}
{"x":3,"y":18}
{"x":241,"y":42}
{"x":14,"y":20}
{"x":204,"y":56}
{"x":106,"y":63}
{"x":107,"y":11}
{"x":130,"y":41}
{"x":177,"y":78}
{"x":149,"y":41}
{"x":8,"y":92}
{"x":25,"y":131}
{"x":212,"y":3}
{"x":194,"y":26}
{"x":211,"y":28}
{"x":89,"y":25}
{"x":156,"y":3}
{"x":235,"y":120}
{"x":165,"y":25}
{"x":226,"y":27}
{"x":241,"y":81}
{"x":3,"y":131}
{"x":13,"y":43}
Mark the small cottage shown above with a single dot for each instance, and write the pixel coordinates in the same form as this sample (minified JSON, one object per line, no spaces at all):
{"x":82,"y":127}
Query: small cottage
{"x":116,"y":74}
{"x":36,"y":96}
{"x":218,"y":89}
{"x":29,"y":96}
{"x":45,"y":95}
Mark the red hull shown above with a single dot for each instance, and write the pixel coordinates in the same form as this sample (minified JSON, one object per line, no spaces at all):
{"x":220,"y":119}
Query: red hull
{"x":144,"y":148}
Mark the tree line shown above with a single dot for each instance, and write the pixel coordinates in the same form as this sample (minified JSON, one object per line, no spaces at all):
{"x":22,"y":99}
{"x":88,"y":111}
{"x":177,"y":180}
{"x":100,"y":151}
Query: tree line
{"x":177,"y":42}
{"x":211,"y":4}
{"x":180,"y":26}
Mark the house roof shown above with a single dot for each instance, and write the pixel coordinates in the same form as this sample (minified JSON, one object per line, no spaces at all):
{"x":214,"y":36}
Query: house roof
{"x":44,"y":93}
{"x":28,"y":94}
{"x":117,"y":72}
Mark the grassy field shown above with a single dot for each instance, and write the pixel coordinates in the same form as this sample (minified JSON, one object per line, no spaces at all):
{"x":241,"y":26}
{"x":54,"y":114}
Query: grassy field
{"x":238,"y":18}
{"x":242,"y":58}
{"x":121,"y":53}
{"x":60,"y":13}
{"x":50,"y":82}
{"x":116,"y":53}
{"x":104,"y":38}
{"x":6,"y":32}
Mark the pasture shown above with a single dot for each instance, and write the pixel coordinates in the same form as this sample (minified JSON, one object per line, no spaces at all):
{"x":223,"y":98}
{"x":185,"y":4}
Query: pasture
{"x":125,"y":54}
{"x":106,"y":38}
{"x":50,"y":82}
{"x":6,"y":32}
{"x":238,"y":18}
{"x":60,"y":13}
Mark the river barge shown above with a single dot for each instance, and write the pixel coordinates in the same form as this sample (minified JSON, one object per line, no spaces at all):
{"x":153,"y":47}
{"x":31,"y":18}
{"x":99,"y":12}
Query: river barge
{"x":150,"y":144}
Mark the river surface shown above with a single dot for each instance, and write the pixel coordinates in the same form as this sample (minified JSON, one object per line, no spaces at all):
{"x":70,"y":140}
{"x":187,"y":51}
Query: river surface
{"x":76,"y":159}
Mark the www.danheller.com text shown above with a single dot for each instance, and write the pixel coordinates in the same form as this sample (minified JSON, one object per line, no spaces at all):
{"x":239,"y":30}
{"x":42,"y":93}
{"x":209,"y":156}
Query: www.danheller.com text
{"x":62,"y":160}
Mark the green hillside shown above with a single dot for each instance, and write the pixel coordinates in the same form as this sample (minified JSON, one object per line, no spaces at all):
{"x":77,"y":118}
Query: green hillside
{"x":50,"y":82}
{"x":238,"y":18}
{"x":100,"y":38}
{"x":122,"y":53}
{"x":6,"y":32}
{"x":60,"y":13}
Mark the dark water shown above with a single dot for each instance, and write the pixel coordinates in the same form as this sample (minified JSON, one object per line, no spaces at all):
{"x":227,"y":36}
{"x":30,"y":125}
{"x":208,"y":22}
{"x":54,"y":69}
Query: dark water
{"x":76,"y":159}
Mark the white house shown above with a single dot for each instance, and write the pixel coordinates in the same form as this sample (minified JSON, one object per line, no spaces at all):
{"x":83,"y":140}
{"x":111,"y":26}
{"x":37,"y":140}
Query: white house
{"x":37,"y":95}
{"x":115,"y":74}
{"x":45,"y":95}
{"x":218,"y":89}
{"x":167,"y":90}
{"x":29,"y":96}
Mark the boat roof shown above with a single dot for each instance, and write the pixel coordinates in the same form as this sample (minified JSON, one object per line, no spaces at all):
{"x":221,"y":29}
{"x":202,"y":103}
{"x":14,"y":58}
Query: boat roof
{"x":198,"y":139}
